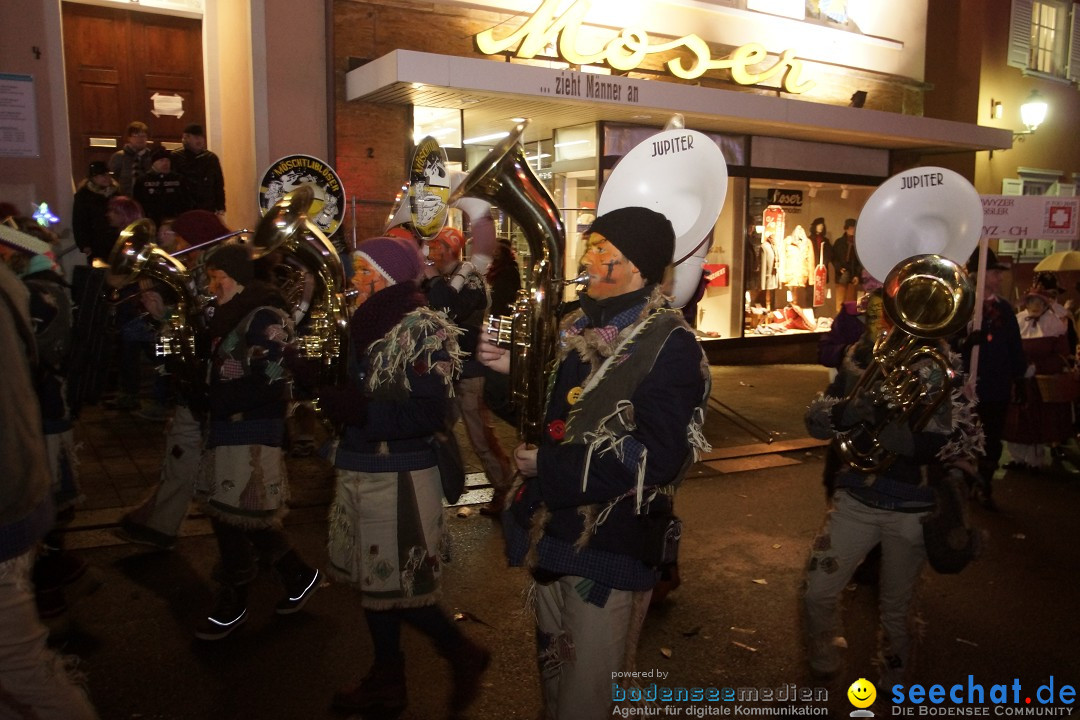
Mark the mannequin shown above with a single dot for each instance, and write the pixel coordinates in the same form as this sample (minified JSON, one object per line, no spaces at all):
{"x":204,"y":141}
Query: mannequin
{"x":770,"y":270}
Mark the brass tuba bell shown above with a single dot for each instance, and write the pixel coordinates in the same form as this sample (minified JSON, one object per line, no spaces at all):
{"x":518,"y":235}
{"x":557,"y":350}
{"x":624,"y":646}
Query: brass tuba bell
{"x":320,"y":311}
{"x":135,"y":255}
{"x":505,"y":179}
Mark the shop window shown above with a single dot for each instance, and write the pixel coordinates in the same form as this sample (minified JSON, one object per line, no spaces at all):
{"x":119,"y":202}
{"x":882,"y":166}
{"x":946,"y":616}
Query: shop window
{"x":1044,"y":38}
{"x":443,"y":124}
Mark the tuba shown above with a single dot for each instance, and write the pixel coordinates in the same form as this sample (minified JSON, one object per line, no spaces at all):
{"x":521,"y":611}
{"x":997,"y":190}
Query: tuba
{"x":925,"y":229}
{"x":135,"y":254}
{"x":310,"y":274}
{"x":505,"y":179}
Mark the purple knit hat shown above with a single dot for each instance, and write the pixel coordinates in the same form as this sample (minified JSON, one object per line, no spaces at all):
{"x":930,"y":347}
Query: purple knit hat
{"x":397,"y":259}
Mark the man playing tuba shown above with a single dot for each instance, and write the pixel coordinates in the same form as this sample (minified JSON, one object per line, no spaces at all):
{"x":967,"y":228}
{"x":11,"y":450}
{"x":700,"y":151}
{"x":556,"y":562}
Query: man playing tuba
{"x":884,"y":501}
{"x":629,"y":390}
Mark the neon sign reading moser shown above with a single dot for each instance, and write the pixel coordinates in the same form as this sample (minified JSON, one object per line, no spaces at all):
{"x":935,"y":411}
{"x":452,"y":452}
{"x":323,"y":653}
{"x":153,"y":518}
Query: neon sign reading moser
{"x":629,"y":48}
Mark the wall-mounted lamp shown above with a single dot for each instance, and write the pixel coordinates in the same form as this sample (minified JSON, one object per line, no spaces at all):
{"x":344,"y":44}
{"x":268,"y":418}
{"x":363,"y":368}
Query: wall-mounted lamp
{"x":996,"y":109}
{"x":844,"y":192}
{"x":1032,"y":114}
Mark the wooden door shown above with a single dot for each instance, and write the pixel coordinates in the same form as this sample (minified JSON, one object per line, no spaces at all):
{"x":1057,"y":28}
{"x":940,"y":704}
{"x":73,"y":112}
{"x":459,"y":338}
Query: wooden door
{"x":116,"y":62}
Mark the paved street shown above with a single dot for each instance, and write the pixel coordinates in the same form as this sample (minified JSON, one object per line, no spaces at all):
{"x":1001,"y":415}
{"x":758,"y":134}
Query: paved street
{"x":750,"y":512}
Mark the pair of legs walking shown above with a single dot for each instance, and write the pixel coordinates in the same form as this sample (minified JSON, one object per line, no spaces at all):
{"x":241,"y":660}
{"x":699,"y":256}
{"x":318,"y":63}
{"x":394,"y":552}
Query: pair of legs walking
{"x":580,"y":646}
{"x":383,"y":689}
{"x":241,"y":549}
{"x":851,"y":530}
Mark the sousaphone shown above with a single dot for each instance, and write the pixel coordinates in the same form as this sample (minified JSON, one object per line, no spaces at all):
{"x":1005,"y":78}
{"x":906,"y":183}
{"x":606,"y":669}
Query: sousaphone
{"x":681,"y":174}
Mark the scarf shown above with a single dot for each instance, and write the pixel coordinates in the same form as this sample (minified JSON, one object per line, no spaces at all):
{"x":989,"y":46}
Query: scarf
{"x":381,"y":312}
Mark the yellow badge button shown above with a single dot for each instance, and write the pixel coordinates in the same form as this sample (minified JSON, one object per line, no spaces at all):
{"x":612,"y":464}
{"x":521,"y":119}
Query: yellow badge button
{"x":573,"y":396}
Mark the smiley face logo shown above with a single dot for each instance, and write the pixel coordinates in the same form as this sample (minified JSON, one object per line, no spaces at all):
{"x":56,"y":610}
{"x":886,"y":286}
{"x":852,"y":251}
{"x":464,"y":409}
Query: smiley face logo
{"x":862,"y":693}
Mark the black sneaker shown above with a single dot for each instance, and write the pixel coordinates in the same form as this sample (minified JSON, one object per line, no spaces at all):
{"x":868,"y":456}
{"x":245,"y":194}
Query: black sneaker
{"x":230,"y":612}
{"x":298,"y":590}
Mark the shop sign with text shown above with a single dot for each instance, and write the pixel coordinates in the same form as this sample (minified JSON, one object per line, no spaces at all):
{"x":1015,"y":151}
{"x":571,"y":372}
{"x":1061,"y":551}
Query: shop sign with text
{"x":785,"y":198}
{"x":1031,"y":216}
{"x":627,"y":50}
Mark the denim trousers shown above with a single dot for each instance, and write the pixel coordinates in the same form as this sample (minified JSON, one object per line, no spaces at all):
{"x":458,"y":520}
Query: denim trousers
{"x":34,"y":680}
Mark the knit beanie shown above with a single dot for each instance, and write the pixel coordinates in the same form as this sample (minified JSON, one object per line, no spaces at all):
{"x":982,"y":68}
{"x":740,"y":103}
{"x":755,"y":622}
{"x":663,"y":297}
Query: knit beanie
{"x":199,"y":226}
{"x":396,"y":259}
{"x":233,"y":260}
{"x":644,"y":236}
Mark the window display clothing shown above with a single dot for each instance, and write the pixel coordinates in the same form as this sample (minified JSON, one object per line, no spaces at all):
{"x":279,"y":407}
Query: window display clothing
{"x":798,"y":261}
{"x":752,"y":262}
{"x":770,"y":265}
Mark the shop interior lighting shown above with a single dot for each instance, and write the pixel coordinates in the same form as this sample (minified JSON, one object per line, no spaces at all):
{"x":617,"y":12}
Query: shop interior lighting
{"x":997,"y":110}
{"x":1032,"y":114}
{"x":485,"y":138}
{"x":844,"y":192}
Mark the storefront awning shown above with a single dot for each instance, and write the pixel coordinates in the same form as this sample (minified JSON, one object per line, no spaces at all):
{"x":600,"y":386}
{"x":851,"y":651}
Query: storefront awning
{"x":492,"y":92}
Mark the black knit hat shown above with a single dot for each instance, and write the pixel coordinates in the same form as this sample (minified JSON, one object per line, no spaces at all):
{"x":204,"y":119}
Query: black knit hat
{"x":159,"y":153}
{"x":644,"y":236}
{"x":233,"y":260}
{"x":97,"y":168}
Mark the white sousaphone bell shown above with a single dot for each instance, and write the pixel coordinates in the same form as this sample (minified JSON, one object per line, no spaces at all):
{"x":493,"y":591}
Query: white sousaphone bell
{"x":922,"y":211}
{"x":681,"y":174}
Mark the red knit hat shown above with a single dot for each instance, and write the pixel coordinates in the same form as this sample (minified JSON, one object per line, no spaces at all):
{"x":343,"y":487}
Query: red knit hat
{"x":199,"y":226}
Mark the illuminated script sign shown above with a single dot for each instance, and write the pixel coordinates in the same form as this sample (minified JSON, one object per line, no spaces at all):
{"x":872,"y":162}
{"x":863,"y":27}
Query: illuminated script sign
{"x":630,"y":47}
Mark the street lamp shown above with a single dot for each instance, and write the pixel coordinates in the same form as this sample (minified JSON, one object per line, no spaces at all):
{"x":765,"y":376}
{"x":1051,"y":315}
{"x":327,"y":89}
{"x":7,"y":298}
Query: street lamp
{"x":1032,"y":114}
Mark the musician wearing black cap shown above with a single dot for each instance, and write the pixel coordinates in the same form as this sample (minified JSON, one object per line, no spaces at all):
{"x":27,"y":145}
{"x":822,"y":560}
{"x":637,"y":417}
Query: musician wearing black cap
{"x":623,"y":423}
{"x":201,"y":169}
{"x":93,"y":234}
